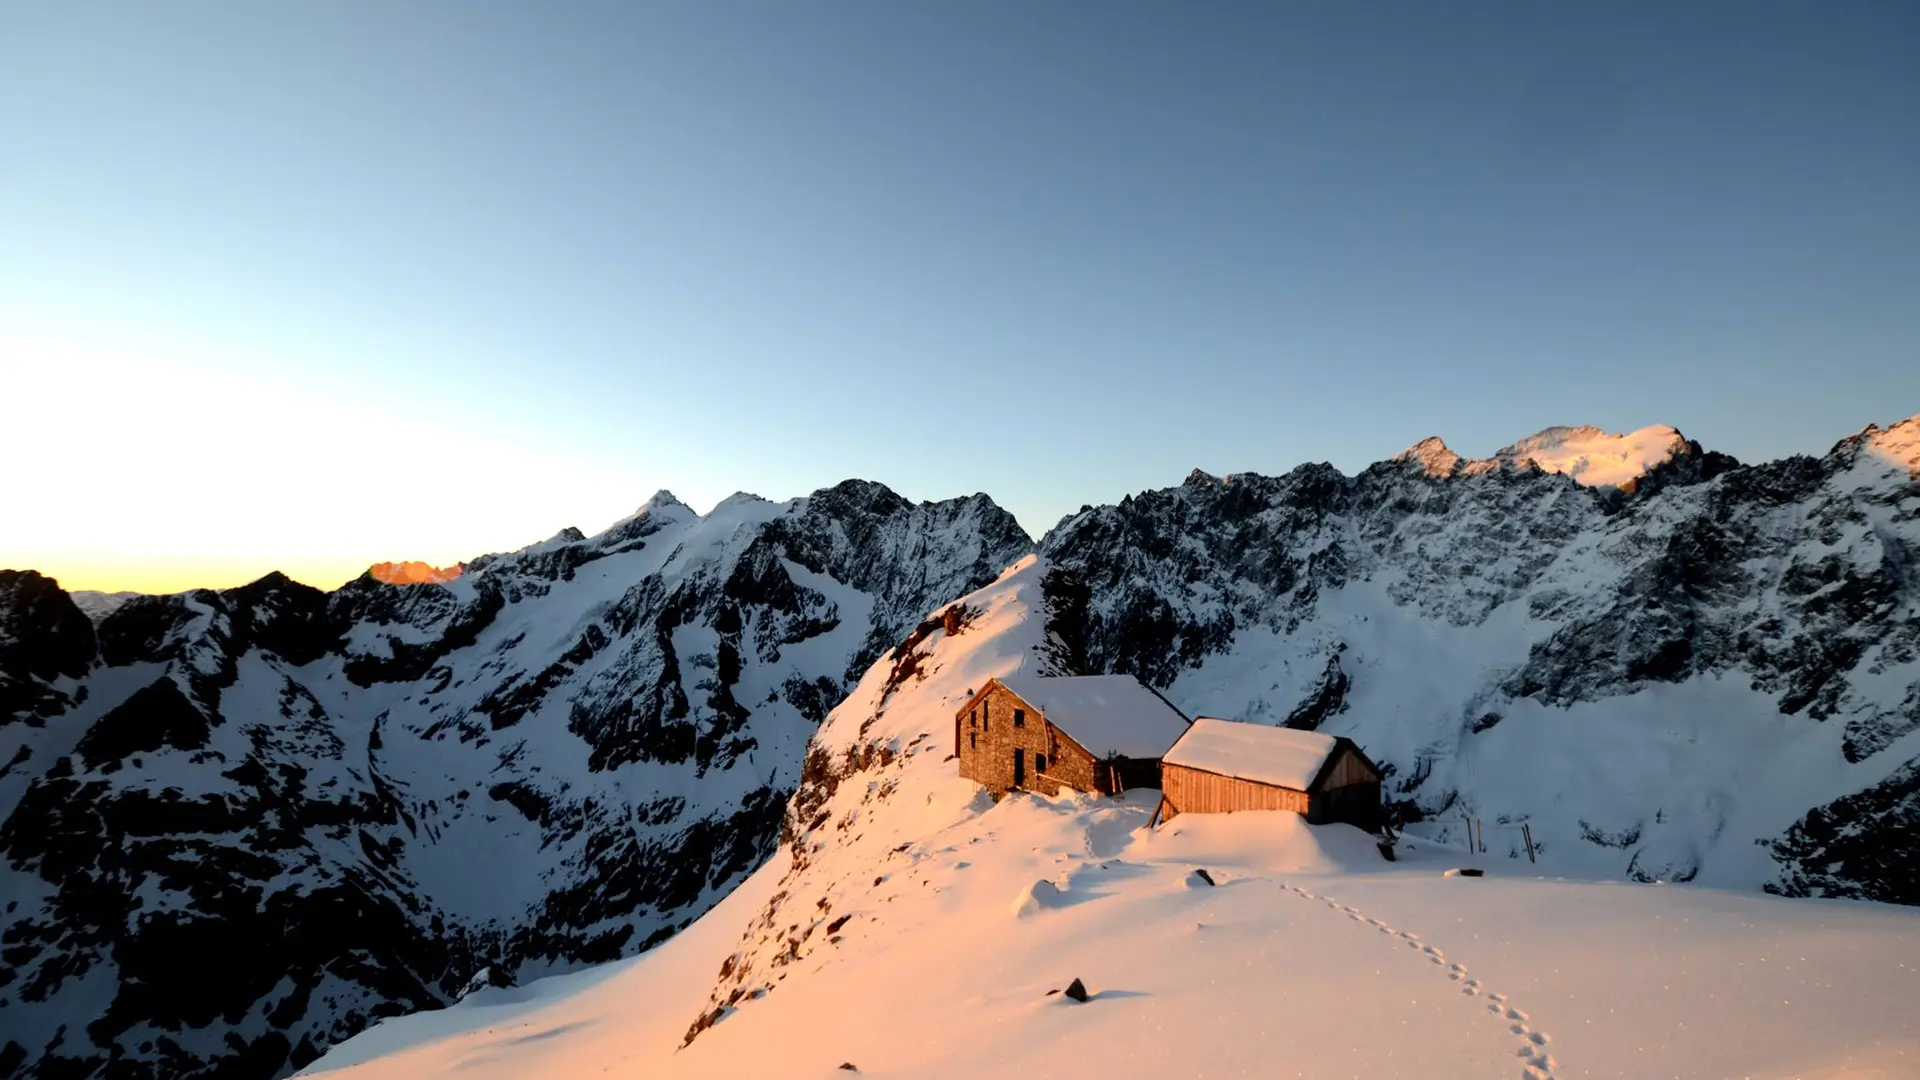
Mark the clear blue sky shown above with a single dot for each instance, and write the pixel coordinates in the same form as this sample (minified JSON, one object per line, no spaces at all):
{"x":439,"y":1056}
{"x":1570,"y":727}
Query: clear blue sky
{"x":541,"y":259}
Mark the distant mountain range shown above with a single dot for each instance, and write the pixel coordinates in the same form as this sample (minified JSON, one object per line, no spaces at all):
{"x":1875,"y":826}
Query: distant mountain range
{"x":240,"y":825}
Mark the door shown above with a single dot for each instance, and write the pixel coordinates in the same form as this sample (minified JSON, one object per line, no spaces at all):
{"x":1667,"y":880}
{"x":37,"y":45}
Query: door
{"x":1019,"y":768}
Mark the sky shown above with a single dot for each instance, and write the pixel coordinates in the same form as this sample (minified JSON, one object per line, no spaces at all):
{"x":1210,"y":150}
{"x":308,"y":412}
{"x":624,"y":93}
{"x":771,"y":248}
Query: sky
{"x":304,"y":287}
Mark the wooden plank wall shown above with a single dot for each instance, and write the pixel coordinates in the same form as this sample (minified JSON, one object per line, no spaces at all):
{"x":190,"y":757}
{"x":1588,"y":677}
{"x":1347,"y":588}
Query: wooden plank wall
{"x":1348,"y":768}
{"x":1192,"y":791}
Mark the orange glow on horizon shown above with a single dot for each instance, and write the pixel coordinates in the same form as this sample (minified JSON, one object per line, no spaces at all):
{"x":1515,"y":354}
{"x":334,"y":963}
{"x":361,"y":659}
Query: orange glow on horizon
{"x":414,"y":573}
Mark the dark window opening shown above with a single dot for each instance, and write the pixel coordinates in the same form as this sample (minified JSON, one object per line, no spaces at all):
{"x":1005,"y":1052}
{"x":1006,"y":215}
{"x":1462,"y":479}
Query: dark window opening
{"x":1019,"y":768}
{"x":973,"y":740}
{"x":1040,"y":763}
{"x":973,"y":718}
{"x":1019,"y":718}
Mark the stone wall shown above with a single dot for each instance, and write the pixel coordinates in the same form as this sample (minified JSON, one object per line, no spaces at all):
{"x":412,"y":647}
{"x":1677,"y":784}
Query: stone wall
{"x":989,"y":736}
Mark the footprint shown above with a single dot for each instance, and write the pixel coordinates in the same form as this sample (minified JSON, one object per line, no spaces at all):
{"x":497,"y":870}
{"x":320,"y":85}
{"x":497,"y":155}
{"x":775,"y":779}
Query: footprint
{"x":1536,"y":1062}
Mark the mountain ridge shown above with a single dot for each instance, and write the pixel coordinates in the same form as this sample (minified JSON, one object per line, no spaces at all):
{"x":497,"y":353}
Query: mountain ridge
{"x":567,"y":752}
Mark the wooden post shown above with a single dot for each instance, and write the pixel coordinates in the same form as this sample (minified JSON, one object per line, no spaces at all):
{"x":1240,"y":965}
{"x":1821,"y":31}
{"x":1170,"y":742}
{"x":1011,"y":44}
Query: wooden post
{"x":1526,"y":833}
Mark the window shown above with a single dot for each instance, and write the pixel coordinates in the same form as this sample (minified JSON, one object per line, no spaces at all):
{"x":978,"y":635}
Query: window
{"x":973,"y":740}
{"x":986,"y":716}
{"x":1040,"y":763}
{"x":973,"y":718}
{"x":1019,"y":718}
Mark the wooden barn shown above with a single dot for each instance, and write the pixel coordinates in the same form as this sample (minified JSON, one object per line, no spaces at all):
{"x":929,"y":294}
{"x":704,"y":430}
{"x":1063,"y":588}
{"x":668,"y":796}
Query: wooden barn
{"x":1100,"y":733}
{"x":1220,"y":766}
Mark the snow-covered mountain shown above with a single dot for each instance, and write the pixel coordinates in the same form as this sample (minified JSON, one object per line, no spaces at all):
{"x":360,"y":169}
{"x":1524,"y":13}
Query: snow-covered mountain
{"x":911,"y":927}
{"x":241,"y":824}
{"x":1666,"y":665}
{"x":1716,"y":673}
{"x":99,"y":605}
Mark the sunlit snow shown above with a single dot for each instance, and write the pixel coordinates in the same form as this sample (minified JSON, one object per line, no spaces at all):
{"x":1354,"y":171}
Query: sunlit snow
{"x":921,"y":930}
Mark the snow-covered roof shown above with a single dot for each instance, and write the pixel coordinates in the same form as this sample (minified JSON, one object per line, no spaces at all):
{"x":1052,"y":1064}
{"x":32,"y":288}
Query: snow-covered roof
{"x":1107,"y":714}
{"x":1283,"y":757}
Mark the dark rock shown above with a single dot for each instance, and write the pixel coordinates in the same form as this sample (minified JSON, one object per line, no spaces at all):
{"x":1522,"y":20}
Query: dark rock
{"x":1077,"y":990}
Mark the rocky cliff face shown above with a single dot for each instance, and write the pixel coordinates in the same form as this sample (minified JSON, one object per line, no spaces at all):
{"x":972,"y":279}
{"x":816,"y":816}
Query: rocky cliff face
{"x":240,"y":825}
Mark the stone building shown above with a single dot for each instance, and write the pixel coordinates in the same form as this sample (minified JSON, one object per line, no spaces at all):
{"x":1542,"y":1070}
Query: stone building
{"x":1100,"y":733}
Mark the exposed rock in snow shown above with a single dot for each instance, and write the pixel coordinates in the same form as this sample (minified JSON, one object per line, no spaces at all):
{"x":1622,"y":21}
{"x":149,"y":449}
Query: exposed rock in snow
{"x":1432,"y":456}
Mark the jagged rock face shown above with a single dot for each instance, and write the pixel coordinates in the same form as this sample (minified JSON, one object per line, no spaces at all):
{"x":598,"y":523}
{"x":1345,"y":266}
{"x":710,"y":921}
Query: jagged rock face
{"x":46,"y":646}
{"x":1710,"y":654}
{"x":240,"y":825}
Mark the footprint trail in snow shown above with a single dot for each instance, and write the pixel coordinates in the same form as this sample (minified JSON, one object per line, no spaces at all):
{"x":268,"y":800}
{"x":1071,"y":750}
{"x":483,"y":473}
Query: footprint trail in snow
{"x":1536,"y":1063}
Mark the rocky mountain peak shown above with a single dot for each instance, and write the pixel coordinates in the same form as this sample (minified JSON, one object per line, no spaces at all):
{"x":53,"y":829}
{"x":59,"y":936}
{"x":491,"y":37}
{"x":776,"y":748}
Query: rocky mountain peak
{"x":1432,"y":456}
{"x":1897,"y":446}
{"x":662,"y":500}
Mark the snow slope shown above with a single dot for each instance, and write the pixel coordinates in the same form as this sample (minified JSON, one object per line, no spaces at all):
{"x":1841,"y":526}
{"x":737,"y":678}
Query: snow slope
{"x":914,"y":928}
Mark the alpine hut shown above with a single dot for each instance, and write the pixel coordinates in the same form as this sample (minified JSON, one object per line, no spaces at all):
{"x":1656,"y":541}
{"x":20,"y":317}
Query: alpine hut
{"x":1220,"y":766}
{"x":1101,"y":733}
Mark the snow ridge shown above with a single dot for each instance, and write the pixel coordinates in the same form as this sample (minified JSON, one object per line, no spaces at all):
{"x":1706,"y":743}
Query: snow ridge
{"x":1587,"y":455}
